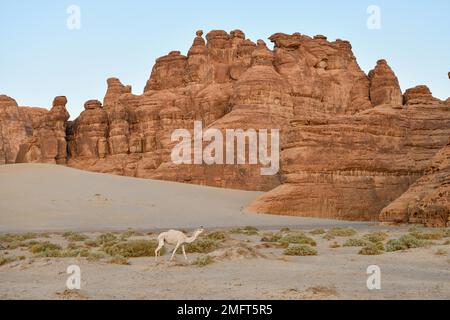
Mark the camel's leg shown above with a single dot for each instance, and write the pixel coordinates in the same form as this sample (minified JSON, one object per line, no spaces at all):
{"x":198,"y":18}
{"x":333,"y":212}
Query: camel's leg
{"x":174,"y":251}
{"x":184,"y":252}
{"x":157,"y":251}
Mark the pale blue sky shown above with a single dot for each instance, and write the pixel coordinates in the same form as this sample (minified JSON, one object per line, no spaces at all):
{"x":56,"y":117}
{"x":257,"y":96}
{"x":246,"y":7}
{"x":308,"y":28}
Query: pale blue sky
{"x":41,"y":58}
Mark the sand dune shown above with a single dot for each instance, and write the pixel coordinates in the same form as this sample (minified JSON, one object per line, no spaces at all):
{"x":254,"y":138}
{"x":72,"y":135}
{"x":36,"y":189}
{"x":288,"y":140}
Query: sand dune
{"x":36,"y":197}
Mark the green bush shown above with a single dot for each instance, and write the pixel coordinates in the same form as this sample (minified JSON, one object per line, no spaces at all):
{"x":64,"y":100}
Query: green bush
{"x":407,"y":241}
{"x":300,"y":250}
{"x":356,"y":243}
{"x":341,"y":232}
{"x":202,"y":245}
{"x":203,"y":260}
{"x":217,"y":235}
{"x":434,"y":235}
{"x":372,"y":249}
{"x":297,"y":238}
{"x":44,"y":246}
{"x":106,"y":238}
{"x":379,"y":236}
{"x":133,"y":248}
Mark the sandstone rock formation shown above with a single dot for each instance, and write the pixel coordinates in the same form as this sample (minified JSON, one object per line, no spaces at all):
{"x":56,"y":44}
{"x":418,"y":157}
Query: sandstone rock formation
{"x":351,"y":167}
{"x":351,"y":143}
{"x":33,"y":134}
{"x":427,"y":201}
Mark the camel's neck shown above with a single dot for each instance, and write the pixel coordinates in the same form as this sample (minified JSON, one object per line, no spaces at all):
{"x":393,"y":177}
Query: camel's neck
{"x":192,"y":239}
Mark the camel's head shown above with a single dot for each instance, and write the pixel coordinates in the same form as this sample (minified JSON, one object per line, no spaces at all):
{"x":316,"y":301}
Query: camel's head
{"x":199,"y":231}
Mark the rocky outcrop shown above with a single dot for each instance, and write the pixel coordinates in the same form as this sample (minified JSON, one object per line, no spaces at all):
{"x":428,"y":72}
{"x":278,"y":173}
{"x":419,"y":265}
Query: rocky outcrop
{"x":33,"y":134}
{"x":427,"y":201}
{"x":350,"y":143}
{"x":351,"y":167}
{"x":384,"y":85}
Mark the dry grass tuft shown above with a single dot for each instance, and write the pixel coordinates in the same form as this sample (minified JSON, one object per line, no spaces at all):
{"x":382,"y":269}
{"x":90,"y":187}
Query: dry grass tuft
{"x":203,"y":260}
{"x":335,"y":245}
{"x":249,"y":231}
{"x":441,"y":252}
{"x":119,"y":260}
{"x":318,"y":231}
{"x":5,"y":260}
{"x":73,"y":236}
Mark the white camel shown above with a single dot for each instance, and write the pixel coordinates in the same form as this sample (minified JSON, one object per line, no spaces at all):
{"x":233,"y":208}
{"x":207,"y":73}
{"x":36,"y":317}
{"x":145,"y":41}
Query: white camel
{"x":176,"y":238}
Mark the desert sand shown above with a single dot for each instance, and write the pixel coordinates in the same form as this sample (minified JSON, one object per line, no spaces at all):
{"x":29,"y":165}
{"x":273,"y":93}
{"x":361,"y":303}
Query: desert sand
{"x":54,"y":199}
{"x":39,"y":197}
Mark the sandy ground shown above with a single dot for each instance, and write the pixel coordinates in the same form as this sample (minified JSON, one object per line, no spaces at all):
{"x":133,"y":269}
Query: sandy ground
{"x":57,"y":199}
{"x":258,"y":273}
{"x":36,"y":197}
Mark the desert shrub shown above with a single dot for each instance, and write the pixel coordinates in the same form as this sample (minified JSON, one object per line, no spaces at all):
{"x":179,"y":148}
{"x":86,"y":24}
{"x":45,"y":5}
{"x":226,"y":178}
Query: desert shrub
{"x":441,"y":252}
{"x":249,"y":231}
{"x":45,"y":246}
{"x":133,"y":248}
{"x":73,"y":246}
{"x":356,"y":243}
{"x":217,"y":235}
{"x":341,"y":232}
{"x":80,"y":252}
{"x":379,"y":236}
{"x":91,"y":243}
{"x":317,"y":231}
{"x":271,"y":237}
{"x":407,"y":241}
{"x":106,"y":238}
{"x":202,"y":245}
{"x":372,"y":249}
{"x":300,"y":250}
{"x":433,"y":235}
{"x":5,"y":260}
{"x":335,"y":245}
{"x":119,"y":260}
{"x":17,"y":237}
{"x":203,"y":260}
{"x":73,"y":236}
{"x":285,"y":230}
{"x":297,"y":238}
{"x":96,"y":256}
{"x":447,"y":233}
{"x":130,"y":233}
